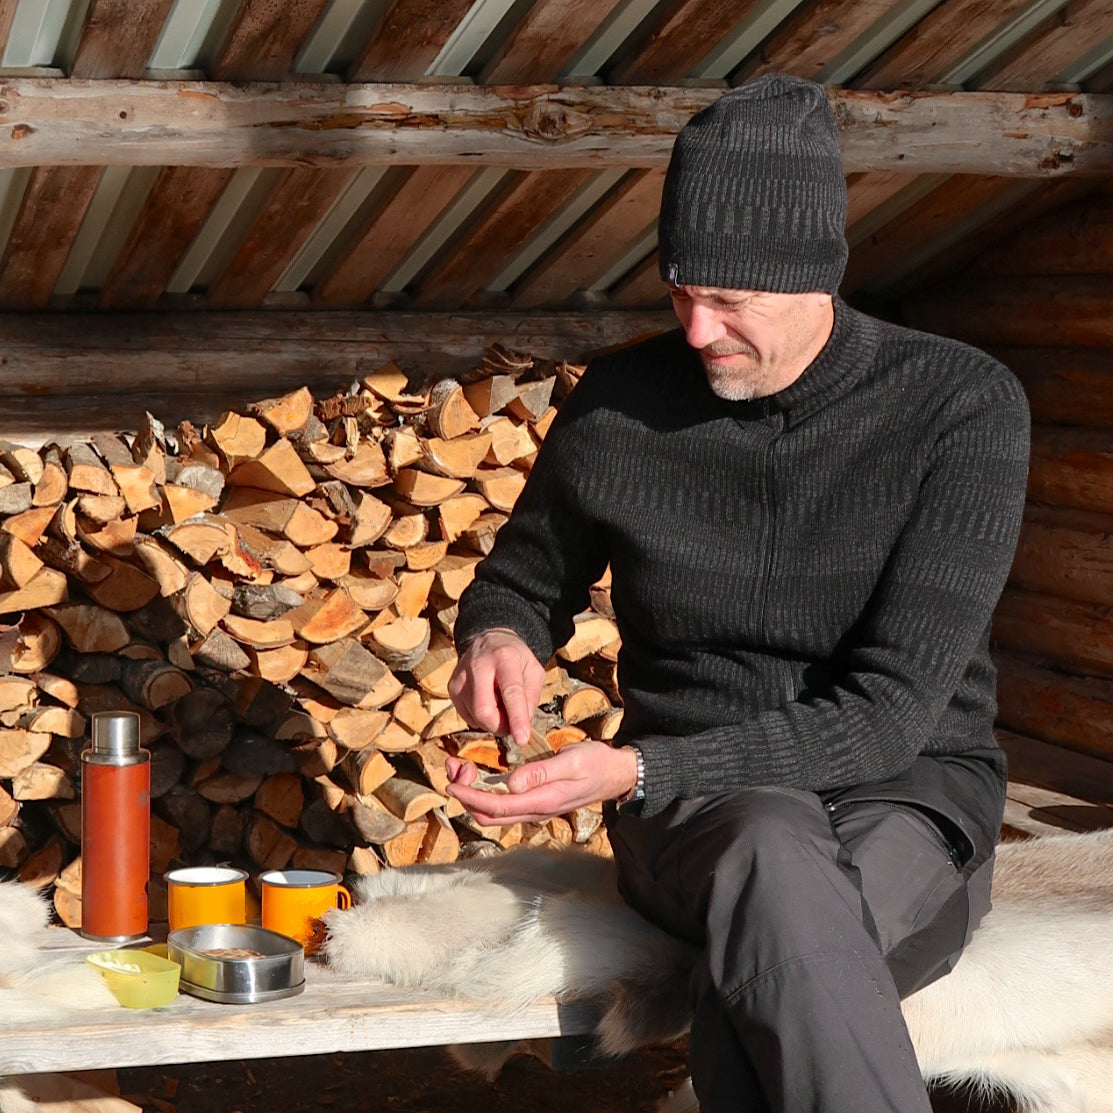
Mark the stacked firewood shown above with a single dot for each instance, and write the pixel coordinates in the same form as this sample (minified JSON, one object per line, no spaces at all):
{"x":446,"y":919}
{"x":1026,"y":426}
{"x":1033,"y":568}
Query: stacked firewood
{"x":274,"y":595}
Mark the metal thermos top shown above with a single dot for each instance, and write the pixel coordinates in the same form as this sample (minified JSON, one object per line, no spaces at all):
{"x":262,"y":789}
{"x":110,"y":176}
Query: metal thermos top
{"x":115,"y":739}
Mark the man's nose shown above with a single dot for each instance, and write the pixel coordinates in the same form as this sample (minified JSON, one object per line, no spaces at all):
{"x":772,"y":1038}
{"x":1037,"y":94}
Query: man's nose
{"x":702,"y":326}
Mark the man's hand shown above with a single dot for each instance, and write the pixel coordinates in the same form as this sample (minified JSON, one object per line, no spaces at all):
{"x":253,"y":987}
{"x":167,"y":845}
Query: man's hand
{"x":497,"y":684}
{"x":580,"y":774}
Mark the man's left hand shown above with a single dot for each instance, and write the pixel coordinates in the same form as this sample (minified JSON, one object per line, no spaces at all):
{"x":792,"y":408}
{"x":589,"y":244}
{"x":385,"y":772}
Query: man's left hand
{"x":580,"y":774}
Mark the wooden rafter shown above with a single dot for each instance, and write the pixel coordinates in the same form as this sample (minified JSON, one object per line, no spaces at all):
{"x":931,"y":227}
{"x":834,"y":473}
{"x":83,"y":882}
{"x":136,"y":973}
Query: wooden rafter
{"x":264,"y":40}
{"x":119,"y":37}
{"x":593,"y":245}
{"x":545,"y":40}
{"x":815,"y":35}
{"x":408,"y":39}
{"x":50,"y":215}
{"x":294,"y":208}
{"x":937,"y":43}
{"x":173,"y":213}
{"x":513,"y":218}
{"x":679,"y":41}
{"x":642,"y":286}
{"x":389,"y":233}
{"x":7,"y":14}
{"x":544,"y":127}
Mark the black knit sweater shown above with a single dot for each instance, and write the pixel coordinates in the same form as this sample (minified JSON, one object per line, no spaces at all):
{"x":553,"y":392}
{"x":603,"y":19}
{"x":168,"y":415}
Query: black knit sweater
{"x":803,"y":583}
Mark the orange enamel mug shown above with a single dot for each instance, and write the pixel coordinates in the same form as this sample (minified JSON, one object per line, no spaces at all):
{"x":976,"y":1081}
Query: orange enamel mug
{"x":205,"y":895}
{"x":295,"y":900}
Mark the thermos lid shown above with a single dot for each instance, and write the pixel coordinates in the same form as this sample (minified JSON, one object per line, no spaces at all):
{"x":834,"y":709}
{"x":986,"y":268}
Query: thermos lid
{"x":116,"y":733}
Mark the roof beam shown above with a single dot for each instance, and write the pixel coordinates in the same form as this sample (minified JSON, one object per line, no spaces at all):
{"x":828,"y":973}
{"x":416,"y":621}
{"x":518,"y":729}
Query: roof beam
{"x":140,"y":123}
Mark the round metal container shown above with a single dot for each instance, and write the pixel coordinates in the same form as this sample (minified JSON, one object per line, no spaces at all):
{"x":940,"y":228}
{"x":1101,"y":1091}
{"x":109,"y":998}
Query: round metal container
{"x":277,"y":970}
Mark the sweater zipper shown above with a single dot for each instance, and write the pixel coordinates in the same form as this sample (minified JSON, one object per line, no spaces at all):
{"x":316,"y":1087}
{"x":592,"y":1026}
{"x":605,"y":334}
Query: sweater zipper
{"x":770,"y":535}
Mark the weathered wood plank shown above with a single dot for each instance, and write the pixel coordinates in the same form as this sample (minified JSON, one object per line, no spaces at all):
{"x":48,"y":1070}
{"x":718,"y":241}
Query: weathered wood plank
{"x":7,"y":14}
{"x":389,"y":233}
{"x":1072,"y":467}
{"x":545,"y":40}
{"x":1043,"y":812}
{"x":641,"y":287}
{"x":1076,"y":636}
{"x":1065,"y":553}
{"x":1061,"y":40}
{"x":513,"y":217}
{"x":1068,"y":311}
{"x":1072,"y":239}
{"x":50,"y":215}
{"x":1040,"y":763}
{"x":294,"y":208}
{"x":196,"y":364}
{"x":173,"y":213}
{"x":1067,"y":386}
{"x":813,"y":36}
{"x":264,"y":39}
{"x":540,"y":127}
{"x":408,"y":39}
{"x":592,"y":246}
{"x":331,"y":1015}
{"x":865,"y":192}
{"x":1073,"y":712}
{"x":937,"y":43}
{"x":676,"y":44}
{"x":891,"y":251}
{"x":118,"y":38}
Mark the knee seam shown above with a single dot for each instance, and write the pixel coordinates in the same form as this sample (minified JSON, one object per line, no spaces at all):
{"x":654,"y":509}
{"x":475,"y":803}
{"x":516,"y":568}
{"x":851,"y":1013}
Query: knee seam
{"x":731,"y":996}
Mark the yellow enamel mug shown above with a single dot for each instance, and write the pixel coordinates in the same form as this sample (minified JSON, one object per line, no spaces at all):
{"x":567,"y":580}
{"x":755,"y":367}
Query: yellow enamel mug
{"x":295,"y":900}
{"x":205,"y":895}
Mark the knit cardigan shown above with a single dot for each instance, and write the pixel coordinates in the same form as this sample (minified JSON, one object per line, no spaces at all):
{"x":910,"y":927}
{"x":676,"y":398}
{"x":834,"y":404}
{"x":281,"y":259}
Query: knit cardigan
{"x":803,"y":583}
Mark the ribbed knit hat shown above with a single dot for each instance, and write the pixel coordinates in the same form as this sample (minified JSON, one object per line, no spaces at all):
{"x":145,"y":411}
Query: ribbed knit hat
{"x":755,"y":197}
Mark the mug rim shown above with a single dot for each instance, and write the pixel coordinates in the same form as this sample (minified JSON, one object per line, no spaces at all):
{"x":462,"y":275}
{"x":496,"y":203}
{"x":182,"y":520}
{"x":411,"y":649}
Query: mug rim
{"x":323,"y":878}
{"x":232,"y":875}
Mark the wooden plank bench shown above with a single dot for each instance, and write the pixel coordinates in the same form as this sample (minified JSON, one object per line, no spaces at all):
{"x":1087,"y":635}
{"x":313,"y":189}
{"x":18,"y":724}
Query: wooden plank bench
{"x":332,"y":1014}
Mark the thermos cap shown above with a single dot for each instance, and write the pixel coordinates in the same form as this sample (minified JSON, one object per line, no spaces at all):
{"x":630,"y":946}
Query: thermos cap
{"x":116,"y":733}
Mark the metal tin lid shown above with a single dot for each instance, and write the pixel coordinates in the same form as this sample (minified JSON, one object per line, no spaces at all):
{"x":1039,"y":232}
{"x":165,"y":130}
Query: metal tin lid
{"x":116,"y":733}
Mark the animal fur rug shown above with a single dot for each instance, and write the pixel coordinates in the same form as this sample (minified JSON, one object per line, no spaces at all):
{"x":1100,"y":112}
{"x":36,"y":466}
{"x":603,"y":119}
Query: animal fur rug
{"x":1028,"y":1009}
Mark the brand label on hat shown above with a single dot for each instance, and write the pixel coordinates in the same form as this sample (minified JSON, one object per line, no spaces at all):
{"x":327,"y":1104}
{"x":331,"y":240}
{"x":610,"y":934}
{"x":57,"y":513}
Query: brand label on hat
{"x":674,"y":274}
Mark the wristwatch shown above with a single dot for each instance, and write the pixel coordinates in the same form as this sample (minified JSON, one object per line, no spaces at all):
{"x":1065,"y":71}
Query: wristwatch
{"x":637,"y":794}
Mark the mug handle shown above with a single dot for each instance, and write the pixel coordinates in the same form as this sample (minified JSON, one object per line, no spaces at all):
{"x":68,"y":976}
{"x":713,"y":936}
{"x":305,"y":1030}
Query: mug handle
{"x":343,"y":898}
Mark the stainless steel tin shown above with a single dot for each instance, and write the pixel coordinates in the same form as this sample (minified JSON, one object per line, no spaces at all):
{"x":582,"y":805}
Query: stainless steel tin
{"x":277,"y":971}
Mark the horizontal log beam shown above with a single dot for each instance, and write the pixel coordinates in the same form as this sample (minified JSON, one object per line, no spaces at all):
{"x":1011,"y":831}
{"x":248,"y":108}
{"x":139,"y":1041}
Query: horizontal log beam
{"x":82,"y":372}
{"x":182,"y":123}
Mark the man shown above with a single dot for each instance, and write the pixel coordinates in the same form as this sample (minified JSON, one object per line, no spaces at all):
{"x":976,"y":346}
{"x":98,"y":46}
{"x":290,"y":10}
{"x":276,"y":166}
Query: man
{"x":809,"y":516}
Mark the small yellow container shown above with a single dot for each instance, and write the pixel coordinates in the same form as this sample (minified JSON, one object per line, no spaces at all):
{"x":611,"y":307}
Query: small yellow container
{"x":137,"y":978}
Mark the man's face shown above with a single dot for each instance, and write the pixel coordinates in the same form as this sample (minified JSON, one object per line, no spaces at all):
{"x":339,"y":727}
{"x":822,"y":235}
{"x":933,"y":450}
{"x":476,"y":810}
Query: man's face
{"x":752,"y":343}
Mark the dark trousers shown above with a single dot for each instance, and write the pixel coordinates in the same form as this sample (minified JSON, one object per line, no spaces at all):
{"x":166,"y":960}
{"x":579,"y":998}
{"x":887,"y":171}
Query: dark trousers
{"x":814,"y":919}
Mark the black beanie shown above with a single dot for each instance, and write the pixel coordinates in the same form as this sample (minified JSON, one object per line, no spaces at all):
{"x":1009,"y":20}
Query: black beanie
{"x":755,"y":197}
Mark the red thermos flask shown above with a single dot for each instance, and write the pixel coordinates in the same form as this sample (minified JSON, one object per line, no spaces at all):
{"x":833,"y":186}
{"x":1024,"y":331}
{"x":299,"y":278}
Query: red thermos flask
{"x":115,"y":830}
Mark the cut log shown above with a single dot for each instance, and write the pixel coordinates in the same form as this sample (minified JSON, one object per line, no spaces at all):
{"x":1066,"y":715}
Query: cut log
{"x":435,"y":669}
{"x":480,"y":536}
{"x":441,"y":844}
{"x":168,"y":571}
{"x":277,"y":469}
{"x":403,"y":448}
{"x":228,"y":788}
{"x":227,"y":832}
{"x":532,"y":399}
{"x":20,"y":749}
{"x":372,"y":518}
{"x":24,"y":463}
{"x":449,"y":414}
{"x":154,"y":683}
{"x":446,"y":720}
{"x":509,"y":442}
{"x":281,"y":798}
{"x":329,"y":561}
{"x":374,"y":821}
{"x":406,"y":530}
{"x":263,"y":603}
{"x":454,"y":573}
{"x":286,"y":414}
{"x":43,"y":590}
{"x":408,"y":798}
{"x":201,"y":723}
{"x":320,"y":621}
{"x":269,"y":846}
{"x":190,"y":815}
{"x":125,"y":588}
{"x":40,"y":781}
{"x":366,"y":770}
{"x":352,"y":674}
{"x":14,"y":850}
{"x":422,"y":488}
{"x":236,"y":439}
{"x":455,"y":459}
{"x":280,"y":665}
{"x":413,"y":593}
{"x":365,"y":468}
{"x":456,"y":514}
{"x":17,"y":692}
{"x":179,"y":504}
{"x":584,"y":702}
{"x":279,"y":515}
{"x":16,"y":498}
{"x":86,"y":472}
{"x":42,"y":868}
{"x":410,"y":711}
{"x":391,"y":384}
{"x":490,"y":395}
{"x":500,"y":486}
{"x":426,"y":555}
{"x":29,"y":526}
{"x":540,"y":427}
{"x":89,"y":628}
{"x":401,"y":644}
{"x":18,"y":563}
{"x":559,"y":737}
{"x":323,"y":825}
{"x":397,"y":739}
{"x":216,"y":650}
{"x":200,"y":604}
{"x":363,"y":862}
{"x":319,"y":858}
{"x":32,"y":646}
{"x":357,"y":728}
{"x":370,"y":593}
{"x":58,"y":688}
{"x":65,"y":722}
{"x":592,"y":632}
{"x":603,"y":727}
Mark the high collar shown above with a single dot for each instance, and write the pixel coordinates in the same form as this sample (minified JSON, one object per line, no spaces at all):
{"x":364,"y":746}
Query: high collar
{"x":840,"y":363}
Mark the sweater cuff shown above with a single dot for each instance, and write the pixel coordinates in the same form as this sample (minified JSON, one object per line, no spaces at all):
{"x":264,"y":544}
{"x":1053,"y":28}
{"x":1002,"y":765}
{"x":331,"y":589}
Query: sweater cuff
{"x":664,"y":772}
{"x":487,"y":607}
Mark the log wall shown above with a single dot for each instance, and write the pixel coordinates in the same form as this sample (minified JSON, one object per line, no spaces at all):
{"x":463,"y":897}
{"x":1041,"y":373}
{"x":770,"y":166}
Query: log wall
{"x":1042,"y":302}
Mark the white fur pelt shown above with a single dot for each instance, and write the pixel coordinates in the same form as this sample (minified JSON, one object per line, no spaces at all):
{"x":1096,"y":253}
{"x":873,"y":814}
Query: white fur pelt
{"x":34,"y":986}
{"x":1028,"y":1009}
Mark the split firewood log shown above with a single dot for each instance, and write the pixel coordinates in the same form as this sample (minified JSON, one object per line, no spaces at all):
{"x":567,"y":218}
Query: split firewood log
{"x":201,"y":722}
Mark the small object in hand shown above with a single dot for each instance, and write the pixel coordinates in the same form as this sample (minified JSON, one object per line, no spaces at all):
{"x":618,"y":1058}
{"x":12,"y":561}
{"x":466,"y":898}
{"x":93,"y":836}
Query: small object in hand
{"x":534,"y":750}
{"x":491,"y":782}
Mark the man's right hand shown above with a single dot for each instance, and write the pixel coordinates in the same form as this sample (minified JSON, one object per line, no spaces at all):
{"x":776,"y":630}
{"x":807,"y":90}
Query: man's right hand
{"x":497,"y":684}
